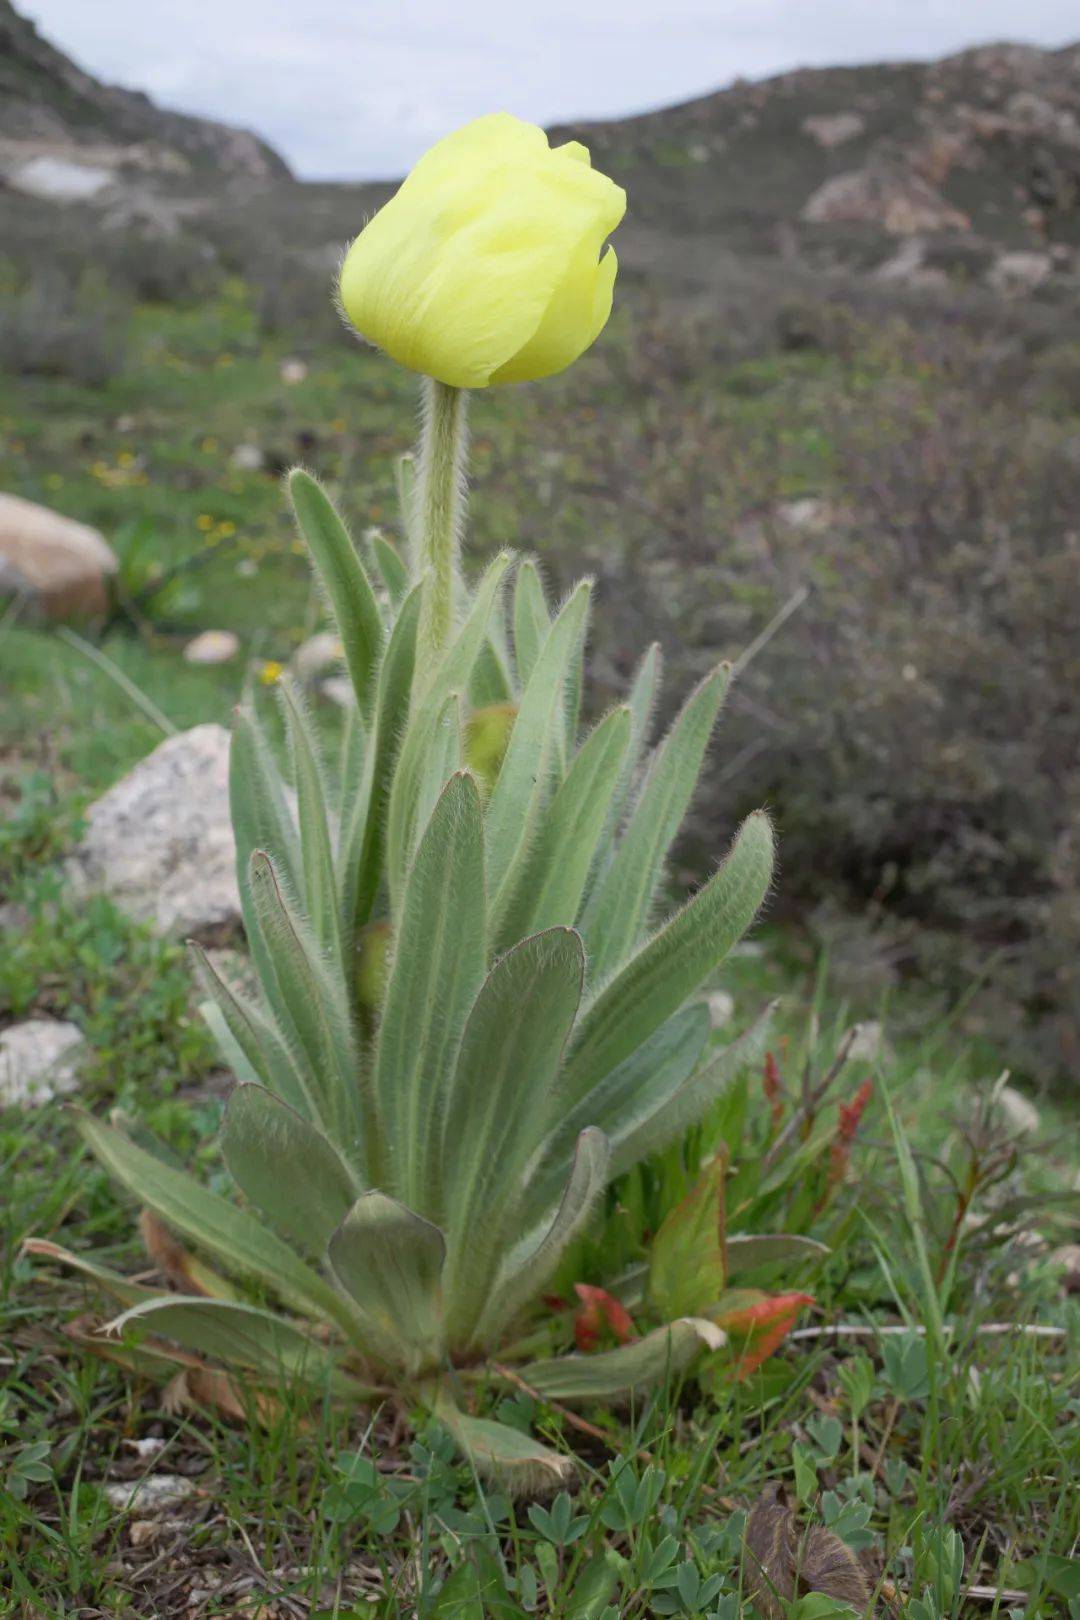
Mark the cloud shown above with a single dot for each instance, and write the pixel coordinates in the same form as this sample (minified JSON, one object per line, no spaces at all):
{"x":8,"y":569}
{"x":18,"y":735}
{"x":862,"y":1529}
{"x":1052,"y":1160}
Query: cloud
{"x":358,"y":88}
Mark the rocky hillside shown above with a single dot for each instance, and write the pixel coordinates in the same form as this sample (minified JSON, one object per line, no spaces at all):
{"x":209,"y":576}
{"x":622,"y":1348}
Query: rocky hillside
{"x":64,"y":134}
{"x":967,"y":168}
{"x":919,"y":175}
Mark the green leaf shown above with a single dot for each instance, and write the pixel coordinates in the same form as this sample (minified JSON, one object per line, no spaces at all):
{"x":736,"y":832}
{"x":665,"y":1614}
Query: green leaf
{"x":261,"y":1044}
{"x":391,"y":567}
{"x":524,"y":781}
{"x":641,"y":703}
{"x":624,"y":1099}
{"x":239,"y":1334}
{"x":527,"y":1272}
{"x":311,"y":996}
{"x":286,"y":1168}
{"x":389,"y":1260}
{"x":619,"y":909}
{"x":362,"y":833}
{"x":235,"y":1237}
{"x":513,"y":1460}
{"x":531,"y":620}
{"x":748,"y":1250}
{"x":454,"y":673}
{"x":127,"y":1293}
{"x":496,"y":1104}
{"x":674,"y":962}
{"x":684,"y":1106}
{"x":558,"y":867}
{"x":317,"y":858}
{"x":260,"y":816}
{"x":437,"y":969}
{"x":348,"y":589}
{"x":660,"y":1355}
{"x":418,"y":785}
{"x":687,"y":1269}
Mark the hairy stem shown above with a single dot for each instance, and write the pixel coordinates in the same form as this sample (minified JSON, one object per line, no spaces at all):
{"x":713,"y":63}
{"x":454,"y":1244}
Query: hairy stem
{"x":440,"y":505}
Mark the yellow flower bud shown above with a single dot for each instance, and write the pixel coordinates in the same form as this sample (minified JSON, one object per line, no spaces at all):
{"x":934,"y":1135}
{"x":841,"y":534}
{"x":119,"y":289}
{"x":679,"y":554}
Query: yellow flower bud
{"x":487,"y":737}
{"x":485,"y":266}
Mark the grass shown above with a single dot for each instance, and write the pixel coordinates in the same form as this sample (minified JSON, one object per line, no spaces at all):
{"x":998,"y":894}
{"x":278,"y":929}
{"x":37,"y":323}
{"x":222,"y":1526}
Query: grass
{"x":934,"y":1412}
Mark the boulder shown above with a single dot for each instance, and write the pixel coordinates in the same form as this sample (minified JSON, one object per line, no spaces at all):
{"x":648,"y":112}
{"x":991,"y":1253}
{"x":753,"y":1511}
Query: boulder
{"x":894,"y":199}
{"x":160,"y":844}
{"x":38,"y":1061}
{"x":60,"y":565}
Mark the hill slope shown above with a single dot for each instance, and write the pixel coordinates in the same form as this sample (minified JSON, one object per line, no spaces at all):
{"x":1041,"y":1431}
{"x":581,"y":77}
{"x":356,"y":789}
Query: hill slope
{"x":51,"y":109}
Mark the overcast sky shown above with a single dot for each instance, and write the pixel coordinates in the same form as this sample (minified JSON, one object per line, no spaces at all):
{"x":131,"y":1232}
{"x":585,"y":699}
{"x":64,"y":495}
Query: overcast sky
{"x":358,"y":88}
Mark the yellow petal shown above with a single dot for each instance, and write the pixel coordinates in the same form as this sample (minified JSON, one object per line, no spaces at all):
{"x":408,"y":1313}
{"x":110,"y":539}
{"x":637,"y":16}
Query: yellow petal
{"x":489,"y":247}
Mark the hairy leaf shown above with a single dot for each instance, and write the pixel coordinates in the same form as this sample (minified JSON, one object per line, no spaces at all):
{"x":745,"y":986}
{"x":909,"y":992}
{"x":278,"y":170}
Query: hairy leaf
{"x":348,"y":589}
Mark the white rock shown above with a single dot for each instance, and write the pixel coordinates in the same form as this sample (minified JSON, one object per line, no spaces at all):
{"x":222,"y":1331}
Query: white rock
{"x":60,"y":565}
{"x":1016,"y":274}
{"x":38,"y":1060}
{"x":1021,"y":1115}
{"x":316,"y":655}
{"x":212,"y":647}
{"x":160,"y":842}
{"x":338,"y":688}
{"x":247,"y":458}
{"x":721,"y":1006}
{"x":869,"y":1045}
{"x":833,"y":129}
{"x":293,"y":371}
{"x":151,"y":1494}
{"x":60,"y":178}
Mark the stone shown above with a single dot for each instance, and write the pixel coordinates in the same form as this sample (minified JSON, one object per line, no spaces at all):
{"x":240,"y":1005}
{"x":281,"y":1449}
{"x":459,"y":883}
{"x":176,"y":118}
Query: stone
{"x":316,"y":656}
{"x":293,"y":371}
{"x":833,"y":129}
{"x":895,"y":199}
{"x":721,"y":1005}
{"x":61,"y":566}
{"x":869,"y":1044}
{"x":248,"y":457}
{"x":1017,"y":274}
{"x":159,"y":843}
{"x":1020,"y":1115}
{"x":338,"y":689}
{"x":212,"y":647}
{"x":154,"y":1493}
{"x":38,"y":1061}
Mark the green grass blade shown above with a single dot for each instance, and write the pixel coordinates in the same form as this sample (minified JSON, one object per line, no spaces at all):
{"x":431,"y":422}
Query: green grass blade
{"x":348,"y":589}
{"x":437,"y":969}
{"x":674,"y":962}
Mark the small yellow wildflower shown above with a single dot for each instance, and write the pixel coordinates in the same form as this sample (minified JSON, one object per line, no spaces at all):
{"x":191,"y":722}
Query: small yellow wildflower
{"x":271,"y":672}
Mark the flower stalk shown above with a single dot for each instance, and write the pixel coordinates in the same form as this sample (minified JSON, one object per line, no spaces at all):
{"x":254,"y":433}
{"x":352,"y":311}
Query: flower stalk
{"x":440,"y":505}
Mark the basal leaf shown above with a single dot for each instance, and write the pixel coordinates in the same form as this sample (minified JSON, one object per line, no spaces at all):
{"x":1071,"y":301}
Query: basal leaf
{"x":389,"y":1260}
{"x":661,"y":1355}
{"x":287,"y":1168}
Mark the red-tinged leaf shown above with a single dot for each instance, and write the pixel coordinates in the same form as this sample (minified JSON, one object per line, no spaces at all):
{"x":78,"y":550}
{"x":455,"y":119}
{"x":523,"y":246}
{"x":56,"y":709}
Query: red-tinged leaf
{"x":773,"y":1087}
{"x":599,"y":1310}
{"x":852,"y":1112}
{"x":766,"y":1324}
